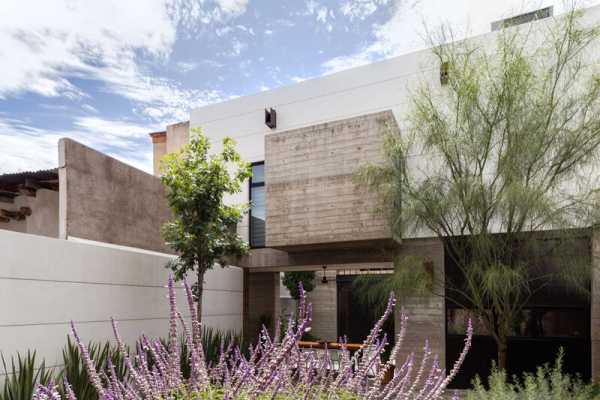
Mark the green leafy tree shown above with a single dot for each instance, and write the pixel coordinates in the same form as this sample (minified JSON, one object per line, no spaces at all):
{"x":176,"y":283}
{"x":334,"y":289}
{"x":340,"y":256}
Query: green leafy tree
{"x":203,"y":229}
{"x":510,"y":147}
{"x":292,"y":279}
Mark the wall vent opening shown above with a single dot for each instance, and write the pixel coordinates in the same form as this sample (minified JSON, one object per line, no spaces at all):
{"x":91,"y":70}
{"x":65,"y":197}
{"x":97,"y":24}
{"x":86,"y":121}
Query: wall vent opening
{"x":523,"y":18}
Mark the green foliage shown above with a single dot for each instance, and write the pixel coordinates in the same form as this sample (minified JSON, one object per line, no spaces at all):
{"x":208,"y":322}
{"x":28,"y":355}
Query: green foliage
{"x":23,"y":376}
{"x":74,"y":368}
{"x":411,"y":278}
{"x":212,"y":342}
{"x":292,"y":279}
{"x":510,"y":144}
{"x":213,"y":339}
{"x":23,"y":373}
{"x":548,"y":383}
{"x":203,"y":229}
{"x":216,"y":393}
{"x":307,"y":336}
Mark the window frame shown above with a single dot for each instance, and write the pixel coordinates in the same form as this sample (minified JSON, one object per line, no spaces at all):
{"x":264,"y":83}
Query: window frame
{"x":251,"y":186}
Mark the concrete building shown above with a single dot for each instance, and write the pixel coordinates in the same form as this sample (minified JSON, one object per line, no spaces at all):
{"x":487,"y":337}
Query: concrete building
{"x":305,"y":142}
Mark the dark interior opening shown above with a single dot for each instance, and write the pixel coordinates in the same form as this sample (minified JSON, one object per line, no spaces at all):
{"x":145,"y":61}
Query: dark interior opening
{"x":555,"y":317}
{"x":354,"y":318}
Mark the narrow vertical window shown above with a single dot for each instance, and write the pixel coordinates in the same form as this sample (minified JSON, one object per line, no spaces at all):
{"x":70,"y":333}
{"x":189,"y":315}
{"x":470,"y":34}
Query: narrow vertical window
{"x":257,"y":205}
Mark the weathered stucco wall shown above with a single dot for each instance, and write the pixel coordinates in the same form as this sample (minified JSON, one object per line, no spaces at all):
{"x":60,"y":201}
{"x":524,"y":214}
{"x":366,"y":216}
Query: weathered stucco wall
{"x":105,"y":200}
{"x":44,"y":214}
{"x":311,"y":196}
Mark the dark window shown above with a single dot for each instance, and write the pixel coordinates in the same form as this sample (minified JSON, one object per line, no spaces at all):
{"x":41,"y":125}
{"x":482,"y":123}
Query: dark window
{"x":536,"y":340}
{"x":555,"y":317}
{"x":257,"y":205}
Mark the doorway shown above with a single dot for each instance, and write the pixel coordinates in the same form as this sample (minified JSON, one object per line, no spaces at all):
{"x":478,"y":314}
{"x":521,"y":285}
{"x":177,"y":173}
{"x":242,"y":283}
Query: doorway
{"x":355,"y":318}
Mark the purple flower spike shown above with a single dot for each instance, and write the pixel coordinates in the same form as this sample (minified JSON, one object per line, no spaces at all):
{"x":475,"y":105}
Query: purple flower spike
{"x":89,"y":364}
{"x":276,"y":367}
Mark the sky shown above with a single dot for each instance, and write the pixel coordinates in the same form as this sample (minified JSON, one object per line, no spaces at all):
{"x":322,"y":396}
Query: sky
{"x":106,"y":73}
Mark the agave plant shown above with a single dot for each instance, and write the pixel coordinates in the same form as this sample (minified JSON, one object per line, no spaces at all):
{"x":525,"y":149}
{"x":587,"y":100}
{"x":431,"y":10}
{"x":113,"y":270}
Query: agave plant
{"x":274,"y":367}
{"x":214,"y":341}
{"x":76,"y":374}
{"x":23,"y":376}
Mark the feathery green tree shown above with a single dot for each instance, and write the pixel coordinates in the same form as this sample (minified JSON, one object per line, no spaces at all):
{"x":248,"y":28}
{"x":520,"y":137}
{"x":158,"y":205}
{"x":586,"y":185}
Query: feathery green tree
{"x":509,"y":145}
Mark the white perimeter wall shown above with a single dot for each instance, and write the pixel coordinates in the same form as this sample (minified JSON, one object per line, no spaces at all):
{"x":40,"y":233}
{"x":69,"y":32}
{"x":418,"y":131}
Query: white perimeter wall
{"x":46,"y":282}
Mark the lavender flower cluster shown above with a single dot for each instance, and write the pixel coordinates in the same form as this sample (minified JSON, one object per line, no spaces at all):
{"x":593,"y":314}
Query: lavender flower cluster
{"x":276,"y":366}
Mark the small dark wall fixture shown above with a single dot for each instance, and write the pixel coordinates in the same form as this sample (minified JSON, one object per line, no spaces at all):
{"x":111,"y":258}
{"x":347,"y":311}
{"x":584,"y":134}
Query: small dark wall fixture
{"x":444,"y":73}
{"x":271,"y":118}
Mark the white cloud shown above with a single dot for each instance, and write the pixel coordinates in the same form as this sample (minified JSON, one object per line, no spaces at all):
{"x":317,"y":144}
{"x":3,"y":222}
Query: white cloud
{"x":312,"y":6}
{"x":298,"y":79}
{"x":321,"y":13}
{"x":45,"y":44}
{"x":235,"y":7}
{"x":360,"y":9}
{"x":194,"y":15}
{"x":90,"y":108}
{"x":186,"y":66}
{"x":237,"y":47}
{"x":26,"y":147}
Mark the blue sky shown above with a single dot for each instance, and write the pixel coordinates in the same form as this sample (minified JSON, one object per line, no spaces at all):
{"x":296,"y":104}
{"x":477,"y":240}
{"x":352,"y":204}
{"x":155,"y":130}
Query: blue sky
{"x":107,"y":73}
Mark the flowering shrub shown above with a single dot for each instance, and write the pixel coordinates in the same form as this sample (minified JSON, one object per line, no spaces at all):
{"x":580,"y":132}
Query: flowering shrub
{"x":274,"y":368}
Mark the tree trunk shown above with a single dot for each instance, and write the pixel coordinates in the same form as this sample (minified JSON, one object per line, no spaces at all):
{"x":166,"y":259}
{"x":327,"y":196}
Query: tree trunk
{"x":502,"y":353}
{"x":199,"y":293}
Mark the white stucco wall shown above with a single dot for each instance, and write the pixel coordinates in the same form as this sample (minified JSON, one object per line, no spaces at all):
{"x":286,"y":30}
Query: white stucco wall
{"x":367,"y":89}
{"x":45,"y":283}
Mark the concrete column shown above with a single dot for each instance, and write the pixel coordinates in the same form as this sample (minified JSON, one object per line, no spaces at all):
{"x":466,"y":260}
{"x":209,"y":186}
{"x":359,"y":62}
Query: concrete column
{"x":595,"y":306}
{"x":261,"y":302}
{"x":426,"y":315}
{"x":324,"y":312}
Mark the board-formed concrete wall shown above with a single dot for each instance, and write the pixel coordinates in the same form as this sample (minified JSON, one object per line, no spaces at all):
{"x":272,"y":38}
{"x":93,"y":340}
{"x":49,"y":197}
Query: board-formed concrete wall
{"x":426,"y":314}
{"x":45,"y":283}
{"x":311,"y":195}
{"x":262,"y":305}
{"x":324,"y":313}
{"x":105,"y":200}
